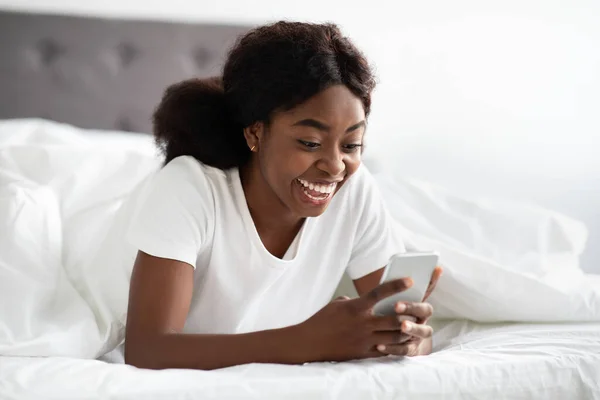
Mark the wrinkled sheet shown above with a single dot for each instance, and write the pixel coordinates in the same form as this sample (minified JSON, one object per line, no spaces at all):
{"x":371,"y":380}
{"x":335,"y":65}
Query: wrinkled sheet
{"x":65,"y":198}
{"x":471,"y":361}
{"x":503,"y":261}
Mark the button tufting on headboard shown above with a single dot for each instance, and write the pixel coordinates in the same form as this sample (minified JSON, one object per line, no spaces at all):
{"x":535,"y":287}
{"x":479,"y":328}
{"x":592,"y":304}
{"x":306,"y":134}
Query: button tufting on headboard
{"x":124,"y":124}
{"x":128,"y":53}
{"x":202,"y":56}
{"x":48,"y":51}
{"x":101,"y":73}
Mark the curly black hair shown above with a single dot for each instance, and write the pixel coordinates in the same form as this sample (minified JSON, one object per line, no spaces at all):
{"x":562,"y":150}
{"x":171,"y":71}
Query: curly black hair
{"x":272,"y":67}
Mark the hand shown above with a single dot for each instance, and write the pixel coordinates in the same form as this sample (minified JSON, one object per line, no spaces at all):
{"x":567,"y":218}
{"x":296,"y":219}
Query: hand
{"x":417,"y":335}
{"x":347,"y":329}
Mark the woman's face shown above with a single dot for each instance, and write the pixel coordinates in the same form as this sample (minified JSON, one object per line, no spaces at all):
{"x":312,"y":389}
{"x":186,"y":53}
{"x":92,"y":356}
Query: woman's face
{"x":307,"y":153}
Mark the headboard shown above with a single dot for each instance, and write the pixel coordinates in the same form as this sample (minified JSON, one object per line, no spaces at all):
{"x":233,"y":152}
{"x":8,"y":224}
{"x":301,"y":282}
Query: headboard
{"x":101,"y":73}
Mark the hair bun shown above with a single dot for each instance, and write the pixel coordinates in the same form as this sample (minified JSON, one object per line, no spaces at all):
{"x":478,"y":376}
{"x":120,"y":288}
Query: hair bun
{"x":192,"y":119}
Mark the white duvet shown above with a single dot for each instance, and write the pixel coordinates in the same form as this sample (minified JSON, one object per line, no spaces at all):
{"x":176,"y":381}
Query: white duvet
{"x":471,"y":361}
{"x":65,"y":194}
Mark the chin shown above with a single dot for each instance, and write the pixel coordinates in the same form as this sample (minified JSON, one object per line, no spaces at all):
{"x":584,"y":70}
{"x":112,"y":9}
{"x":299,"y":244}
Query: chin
{"x":311,"y":213}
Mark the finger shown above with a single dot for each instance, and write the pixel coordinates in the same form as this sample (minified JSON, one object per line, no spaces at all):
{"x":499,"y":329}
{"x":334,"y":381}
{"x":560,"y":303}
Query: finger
{"x":435,"y":277}
{"x":389,"y":330}
{"x":422,"y":311}
{"x":374,"y":353}
{"x":390,"y":337}
{"x":384,"y":290}
{"x":397,"y":349}
{"x":406,"y":318}
{"x":385,"y":323}
{"x":417,"y":330}
{"x":389,"y":322}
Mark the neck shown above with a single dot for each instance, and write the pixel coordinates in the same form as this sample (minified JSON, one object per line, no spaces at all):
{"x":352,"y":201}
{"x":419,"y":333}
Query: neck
{"x":268,"y":212}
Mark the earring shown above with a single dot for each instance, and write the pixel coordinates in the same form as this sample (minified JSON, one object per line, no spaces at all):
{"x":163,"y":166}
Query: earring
{"x":253,"y":147}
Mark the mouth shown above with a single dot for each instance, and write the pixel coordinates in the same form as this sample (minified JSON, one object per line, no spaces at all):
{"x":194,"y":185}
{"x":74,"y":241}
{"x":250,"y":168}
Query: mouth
{"x":315,"y":193}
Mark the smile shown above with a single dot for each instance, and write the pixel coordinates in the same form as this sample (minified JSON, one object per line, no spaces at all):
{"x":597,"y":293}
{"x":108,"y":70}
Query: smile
{"x":317,"y":192}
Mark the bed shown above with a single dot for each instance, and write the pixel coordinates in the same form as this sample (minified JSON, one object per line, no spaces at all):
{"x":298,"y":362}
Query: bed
{"x":482,"y":362}
{"x":74,"y":88}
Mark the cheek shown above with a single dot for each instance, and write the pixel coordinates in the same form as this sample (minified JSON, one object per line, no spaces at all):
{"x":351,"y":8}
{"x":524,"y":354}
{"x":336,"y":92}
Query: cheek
{"x":293,"y":164}
{"x":282,"y":167}
{"x":352,"y":162}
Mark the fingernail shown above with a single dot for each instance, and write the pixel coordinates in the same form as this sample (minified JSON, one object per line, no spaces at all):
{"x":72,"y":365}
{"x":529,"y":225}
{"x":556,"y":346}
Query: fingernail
{"x":381,"y":347}
{"x":406,"y":326}
{"x":400,"y":307}
{"x":409,"y":282}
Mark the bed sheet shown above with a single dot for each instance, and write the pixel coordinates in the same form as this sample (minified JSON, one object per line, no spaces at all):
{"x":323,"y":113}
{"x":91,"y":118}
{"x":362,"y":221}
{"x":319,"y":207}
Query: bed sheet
{"x":471,"y":361}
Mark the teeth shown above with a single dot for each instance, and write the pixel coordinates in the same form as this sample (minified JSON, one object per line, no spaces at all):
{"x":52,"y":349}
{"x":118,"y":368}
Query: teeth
{"x":324,"y":189}
{"x":318,"y":188}
{"x":316,"y":197}
{"x":313,"y":197}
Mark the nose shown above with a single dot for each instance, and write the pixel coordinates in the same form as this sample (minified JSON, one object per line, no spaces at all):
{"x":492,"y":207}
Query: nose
{"x":332,"y":163}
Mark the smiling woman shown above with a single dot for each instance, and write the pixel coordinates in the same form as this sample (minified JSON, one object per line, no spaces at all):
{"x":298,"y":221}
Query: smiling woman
{"x":261,"y":207}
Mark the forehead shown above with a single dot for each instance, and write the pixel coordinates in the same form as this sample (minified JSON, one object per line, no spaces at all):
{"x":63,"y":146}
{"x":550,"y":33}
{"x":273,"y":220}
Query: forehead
{"x":334,"y":105}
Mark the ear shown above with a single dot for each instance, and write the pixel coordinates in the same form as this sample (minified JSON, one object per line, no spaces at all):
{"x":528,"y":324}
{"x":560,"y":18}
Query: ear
{"x":254,"y":134}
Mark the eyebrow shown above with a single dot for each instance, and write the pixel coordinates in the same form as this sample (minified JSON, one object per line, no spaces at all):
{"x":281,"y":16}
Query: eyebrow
{"x":313,"y":123}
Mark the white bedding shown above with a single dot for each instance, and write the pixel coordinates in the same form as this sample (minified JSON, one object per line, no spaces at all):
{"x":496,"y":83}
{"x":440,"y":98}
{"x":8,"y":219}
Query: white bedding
{"x":472,"y":361}
{"x":65,"y":195}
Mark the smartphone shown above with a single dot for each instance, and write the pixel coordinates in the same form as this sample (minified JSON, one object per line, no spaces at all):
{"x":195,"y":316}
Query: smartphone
{"x":417,"y":265}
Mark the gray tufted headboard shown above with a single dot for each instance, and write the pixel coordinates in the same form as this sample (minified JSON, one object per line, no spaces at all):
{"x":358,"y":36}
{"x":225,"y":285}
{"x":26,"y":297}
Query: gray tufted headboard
{"x":100,"y":73}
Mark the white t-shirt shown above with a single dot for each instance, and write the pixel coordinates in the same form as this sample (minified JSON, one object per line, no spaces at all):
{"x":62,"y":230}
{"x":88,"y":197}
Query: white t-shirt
{"x":199,"y":215}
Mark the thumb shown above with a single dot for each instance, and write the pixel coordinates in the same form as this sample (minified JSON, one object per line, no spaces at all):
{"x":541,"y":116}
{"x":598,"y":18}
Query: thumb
{"x":340,"y":298}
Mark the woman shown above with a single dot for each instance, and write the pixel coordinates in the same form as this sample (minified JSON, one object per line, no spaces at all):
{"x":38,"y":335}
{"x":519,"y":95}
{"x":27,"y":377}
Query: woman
{"x":261,"y":207}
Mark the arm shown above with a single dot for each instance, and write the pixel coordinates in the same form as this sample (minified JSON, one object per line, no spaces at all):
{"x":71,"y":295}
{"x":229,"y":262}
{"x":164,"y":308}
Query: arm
{"x":159,"y":301}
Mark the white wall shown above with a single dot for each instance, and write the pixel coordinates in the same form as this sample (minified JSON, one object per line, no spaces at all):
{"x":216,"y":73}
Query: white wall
{"x":499,"y":98}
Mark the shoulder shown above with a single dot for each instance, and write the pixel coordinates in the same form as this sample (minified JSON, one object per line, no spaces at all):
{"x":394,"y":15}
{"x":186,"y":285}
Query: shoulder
{"x":185,"y":174}
{"x":361,"y":177}
{"x":185,"y":182}
{"x":359,"y":198}
{"x":360,"y":189}
{"x":187,"y":168}
{"x":176,"y":214}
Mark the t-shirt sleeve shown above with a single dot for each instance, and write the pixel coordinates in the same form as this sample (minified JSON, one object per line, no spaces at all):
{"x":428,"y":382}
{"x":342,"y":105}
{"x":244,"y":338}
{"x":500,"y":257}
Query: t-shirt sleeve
{"x":377,"y":239}
{"x":174,"y":213}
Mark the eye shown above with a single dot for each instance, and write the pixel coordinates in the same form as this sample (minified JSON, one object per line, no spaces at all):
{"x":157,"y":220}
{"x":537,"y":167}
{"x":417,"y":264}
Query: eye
{"x":352,"y":147}
{"x":311,"y":145}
